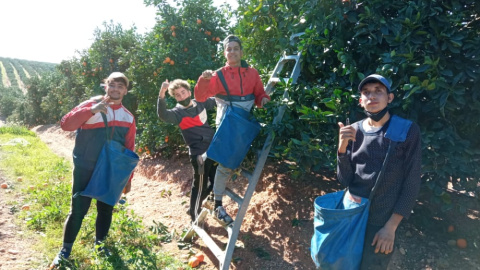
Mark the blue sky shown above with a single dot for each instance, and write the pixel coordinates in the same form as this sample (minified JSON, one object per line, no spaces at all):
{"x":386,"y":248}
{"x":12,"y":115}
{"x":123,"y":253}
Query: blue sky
{"x":53,"y":30}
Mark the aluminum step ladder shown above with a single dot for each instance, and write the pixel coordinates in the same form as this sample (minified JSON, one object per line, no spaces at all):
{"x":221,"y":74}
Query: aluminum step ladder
{"x":225,"y":256}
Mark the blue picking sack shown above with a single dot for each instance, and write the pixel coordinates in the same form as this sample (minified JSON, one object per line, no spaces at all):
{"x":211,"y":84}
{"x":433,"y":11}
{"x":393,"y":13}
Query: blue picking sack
{"x":339,"y":233}
{"x":234,"y":136}
{"x":113,"y":169}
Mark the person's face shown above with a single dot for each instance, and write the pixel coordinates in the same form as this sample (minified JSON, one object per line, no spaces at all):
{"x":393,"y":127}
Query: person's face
{"x":116,"y":90}
{"x":374,"y":97}
{"x":181,"y":94}
{"x":233,"y":53}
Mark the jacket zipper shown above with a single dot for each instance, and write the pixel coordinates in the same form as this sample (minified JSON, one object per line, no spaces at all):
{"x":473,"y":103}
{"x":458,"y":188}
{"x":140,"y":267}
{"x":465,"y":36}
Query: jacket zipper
{"x":241,"y":86}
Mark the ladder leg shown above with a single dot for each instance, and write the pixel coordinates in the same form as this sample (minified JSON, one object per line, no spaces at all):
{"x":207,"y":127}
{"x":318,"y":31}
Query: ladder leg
{"x":191,"y":232}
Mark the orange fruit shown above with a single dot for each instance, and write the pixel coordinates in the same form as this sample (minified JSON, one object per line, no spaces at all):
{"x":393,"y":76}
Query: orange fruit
{"x":167,"y":60}
{"x":140,"y":150}
{"x":172,"y":62}
{"x":193,"y":262}
{"x":217,"y":39}
{"x":185,"y":49}
{"x":84,"y":64}
{"x":199,"y":21}
{"x":166,"y":139}
{"x":174,"y":34}
{"x":111,"y":60}
{"x":461,"y":243}
{"x":200,"y":257}
{"x":173,"y":27}
{"x":26,"y":207}
{"x":4,"y":185}
{"x":451,"y":228}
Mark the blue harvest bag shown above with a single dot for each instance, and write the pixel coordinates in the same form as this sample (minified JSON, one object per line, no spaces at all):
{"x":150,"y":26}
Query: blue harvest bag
{"x":339,"y":233}
{"x":235,"y":134}
{"x":114,"y":167}
{"x":233,"y":138}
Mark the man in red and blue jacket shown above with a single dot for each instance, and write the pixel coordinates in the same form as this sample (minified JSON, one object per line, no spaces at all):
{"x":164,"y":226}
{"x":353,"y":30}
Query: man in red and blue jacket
{"x":87,"y":121}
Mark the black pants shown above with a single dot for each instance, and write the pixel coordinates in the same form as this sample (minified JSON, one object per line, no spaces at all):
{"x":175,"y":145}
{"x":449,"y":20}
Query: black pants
{"x":210,"y":167}
{"x":370,"y":259}
{"x":79,"y":208}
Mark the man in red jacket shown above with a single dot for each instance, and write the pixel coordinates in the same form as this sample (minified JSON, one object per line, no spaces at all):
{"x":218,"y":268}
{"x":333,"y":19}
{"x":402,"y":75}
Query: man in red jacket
{"x":246,"y":89}
{"x":87,"y":120}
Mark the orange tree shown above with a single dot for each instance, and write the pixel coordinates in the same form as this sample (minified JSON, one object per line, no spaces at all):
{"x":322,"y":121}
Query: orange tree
{"x":429,"y":49}
{"x":184,"y":42}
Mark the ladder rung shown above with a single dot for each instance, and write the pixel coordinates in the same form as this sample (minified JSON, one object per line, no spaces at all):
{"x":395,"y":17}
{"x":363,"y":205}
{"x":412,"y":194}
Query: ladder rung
{"x":246,"y":174}
{"x":209,"y":242}
{"x":291,"y":57}
{"x":234,"y":196}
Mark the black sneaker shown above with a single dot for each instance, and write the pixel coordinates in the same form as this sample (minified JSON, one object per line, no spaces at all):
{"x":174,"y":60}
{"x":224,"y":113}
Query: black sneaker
{"x":222,"y":216}
{"x":102,"y":250}
{"x":62,"y":255}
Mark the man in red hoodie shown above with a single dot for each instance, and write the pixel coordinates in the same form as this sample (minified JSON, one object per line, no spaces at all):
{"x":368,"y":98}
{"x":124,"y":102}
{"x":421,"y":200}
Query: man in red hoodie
{"x":246,"y":89}
{"x":87,"y":121}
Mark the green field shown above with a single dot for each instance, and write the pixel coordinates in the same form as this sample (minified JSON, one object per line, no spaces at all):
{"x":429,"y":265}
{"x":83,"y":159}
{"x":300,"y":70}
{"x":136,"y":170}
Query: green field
{"x":15,"y":72}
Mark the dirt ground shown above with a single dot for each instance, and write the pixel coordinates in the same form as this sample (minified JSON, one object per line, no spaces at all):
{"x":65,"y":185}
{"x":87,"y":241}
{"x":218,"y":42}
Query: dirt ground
{"x":278,"y":226}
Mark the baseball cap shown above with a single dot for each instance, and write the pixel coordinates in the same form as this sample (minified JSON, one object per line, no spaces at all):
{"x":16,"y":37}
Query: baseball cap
{"x":231,"y":38}
{"x":375,"y":78}
{"x":118,"y":75}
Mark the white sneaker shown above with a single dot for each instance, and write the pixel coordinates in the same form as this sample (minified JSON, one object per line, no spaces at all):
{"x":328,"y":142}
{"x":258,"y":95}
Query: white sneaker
{"x":222,"y":216}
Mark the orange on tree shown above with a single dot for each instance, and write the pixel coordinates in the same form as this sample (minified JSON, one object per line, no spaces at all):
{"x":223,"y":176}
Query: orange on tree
{"x":451,"y":228}
{"x":461,"y":243}
{"x":172,"y":62}
{"x":217,"y":39}
{"x":111,"y":60}
{"x":174,"y":34}
{"x":173,"y":27}
{"x":199,"y":21}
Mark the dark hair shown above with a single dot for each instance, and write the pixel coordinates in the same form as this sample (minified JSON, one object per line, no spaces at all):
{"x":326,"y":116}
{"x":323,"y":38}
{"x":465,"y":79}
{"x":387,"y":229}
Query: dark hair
{"x":231,"y":38}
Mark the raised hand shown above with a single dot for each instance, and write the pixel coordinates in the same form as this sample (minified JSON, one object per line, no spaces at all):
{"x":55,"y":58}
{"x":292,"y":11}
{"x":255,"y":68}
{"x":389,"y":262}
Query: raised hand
{"x":102,"y":106}
{"x":346,"y":134}
{"x":163,"y":89}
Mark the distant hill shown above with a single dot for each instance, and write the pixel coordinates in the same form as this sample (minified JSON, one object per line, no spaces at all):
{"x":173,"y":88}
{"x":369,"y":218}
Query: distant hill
{"x":14,"y":72}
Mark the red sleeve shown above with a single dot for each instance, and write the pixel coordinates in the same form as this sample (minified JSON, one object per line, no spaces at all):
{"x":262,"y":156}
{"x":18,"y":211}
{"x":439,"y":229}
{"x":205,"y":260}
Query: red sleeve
{"x":130,"y":140}
{"x":76,"y":117}
{"x":205,"y":88}
{"x":259,"y":90}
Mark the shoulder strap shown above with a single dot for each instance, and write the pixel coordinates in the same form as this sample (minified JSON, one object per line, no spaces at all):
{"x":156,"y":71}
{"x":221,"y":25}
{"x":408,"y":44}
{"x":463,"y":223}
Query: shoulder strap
{"x":107,"y":133}
{"x":397,"y":132}
{"x":398,"y":129}
{"x":390,"y":151}
{"x":224,"y":83}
